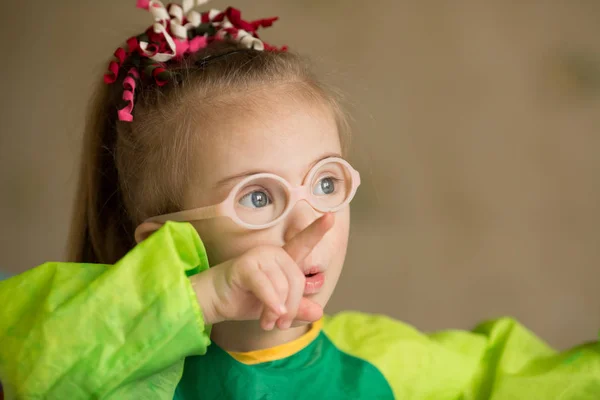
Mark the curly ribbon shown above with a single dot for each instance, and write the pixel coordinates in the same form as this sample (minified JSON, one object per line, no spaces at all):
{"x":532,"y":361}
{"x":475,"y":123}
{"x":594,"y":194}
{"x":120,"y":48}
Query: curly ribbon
{"x":161,"y":17}
{"x":158,"y":72}
{"x":145,"y":4}
{"x":189,"y":4}
{"x":174,"y":24}
{"x":249,"y":41}
{"x":176,"y":31}
{"x":128,"y":95}
{"x":228,"y":23}
{"x":176,"y":36}
{"x":181,"y":14}
{"x":114,"y":66}
{"x":152,"y":51}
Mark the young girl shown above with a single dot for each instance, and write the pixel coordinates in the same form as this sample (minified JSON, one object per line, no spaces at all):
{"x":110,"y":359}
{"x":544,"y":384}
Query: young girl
{"x":210,"y":231}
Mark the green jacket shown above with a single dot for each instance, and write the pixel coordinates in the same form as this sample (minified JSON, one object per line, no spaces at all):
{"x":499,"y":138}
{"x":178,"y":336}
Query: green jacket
{"x":134,"y":330}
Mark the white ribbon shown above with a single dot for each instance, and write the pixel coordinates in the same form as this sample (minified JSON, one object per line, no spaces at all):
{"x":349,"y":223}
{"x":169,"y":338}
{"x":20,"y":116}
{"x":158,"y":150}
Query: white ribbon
{"x":249,"y":41}
{"x":213,"y":13}
{"x":177,"y":13}
{"x":189,"y":4}
{"x":160,"y":57}
{"x":158,"y":10}
{"x":161,"y":16}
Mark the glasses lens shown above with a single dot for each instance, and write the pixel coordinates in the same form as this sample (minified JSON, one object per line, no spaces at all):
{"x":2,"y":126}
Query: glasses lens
{"x":261,"y":201}
{"x":331,"y":185}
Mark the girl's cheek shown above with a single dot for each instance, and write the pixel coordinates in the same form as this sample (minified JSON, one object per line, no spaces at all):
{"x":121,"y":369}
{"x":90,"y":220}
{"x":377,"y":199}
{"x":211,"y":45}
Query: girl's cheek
{"x":224,"y":244}
{"x":340,"y":244}
{"x":221,"y":249}
{"x":218,"y":244}
{"x":224,"y":241}
{"x":338,"y":238}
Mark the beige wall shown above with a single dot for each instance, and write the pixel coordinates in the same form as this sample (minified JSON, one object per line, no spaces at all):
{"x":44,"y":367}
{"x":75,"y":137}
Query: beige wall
{"x":477,"y":136}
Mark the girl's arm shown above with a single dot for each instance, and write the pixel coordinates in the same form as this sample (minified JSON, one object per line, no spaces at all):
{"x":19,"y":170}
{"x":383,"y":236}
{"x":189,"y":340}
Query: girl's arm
{"x":498,"y":360}
{"x":81,"y":331}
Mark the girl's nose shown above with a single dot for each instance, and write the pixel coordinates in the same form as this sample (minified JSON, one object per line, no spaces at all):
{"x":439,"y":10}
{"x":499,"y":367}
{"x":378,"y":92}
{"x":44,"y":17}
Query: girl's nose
{"x":301,"y":215}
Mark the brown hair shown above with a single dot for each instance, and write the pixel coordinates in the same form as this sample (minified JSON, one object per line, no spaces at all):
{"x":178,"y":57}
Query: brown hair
{"x":131,"y":171}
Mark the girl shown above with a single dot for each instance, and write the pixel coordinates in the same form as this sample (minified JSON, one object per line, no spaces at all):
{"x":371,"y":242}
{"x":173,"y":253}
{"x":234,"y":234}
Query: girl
{"x":209,"y":233}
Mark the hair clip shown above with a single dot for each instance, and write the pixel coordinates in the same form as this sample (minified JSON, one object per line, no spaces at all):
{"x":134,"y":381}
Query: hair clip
{"x":177,"y":31}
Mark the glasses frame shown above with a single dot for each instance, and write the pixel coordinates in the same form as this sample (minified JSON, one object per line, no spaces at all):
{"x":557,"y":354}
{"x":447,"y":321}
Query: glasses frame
{"x":226,"y":208}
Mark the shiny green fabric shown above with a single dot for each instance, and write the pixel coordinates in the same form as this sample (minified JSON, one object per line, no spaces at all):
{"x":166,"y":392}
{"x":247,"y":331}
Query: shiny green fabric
{"x":82,"y":331}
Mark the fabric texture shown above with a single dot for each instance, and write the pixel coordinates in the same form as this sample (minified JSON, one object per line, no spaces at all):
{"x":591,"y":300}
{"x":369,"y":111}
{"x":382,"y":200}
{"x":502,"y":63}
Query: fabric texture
{"x":134,"y":330}
{"x":82,"y":331}
{"x":500,"y":359}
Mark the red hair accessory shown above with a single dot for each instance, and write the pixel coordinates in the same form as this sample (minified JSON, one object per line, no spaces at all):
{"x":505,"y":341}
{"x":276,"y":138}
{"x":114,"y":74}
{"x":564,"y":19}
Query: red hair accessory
{"x":179,"y":30}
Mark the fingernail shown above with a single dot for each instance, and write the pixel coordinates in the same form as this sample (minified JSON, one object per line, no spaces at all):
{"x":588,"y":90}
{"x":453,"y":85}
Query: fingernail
{"x":269,"y":326}
{"x":282,"y":310}
{"x":280,"y":324}
{"x":283,"y":324}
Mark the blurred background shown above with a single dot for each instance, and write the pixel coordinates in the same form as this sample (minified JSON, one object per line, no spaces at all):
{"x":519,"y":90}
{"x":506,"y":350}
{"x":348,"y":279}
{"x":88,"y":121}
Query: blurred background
{"x":477,"y":134}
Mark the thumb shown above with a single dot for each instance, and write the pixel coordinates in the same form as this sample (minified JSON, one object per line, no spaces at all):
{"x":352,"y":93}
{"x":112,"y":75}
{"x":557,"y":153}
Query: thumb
{"x":300,"y":246}
{"x":309,"y":311}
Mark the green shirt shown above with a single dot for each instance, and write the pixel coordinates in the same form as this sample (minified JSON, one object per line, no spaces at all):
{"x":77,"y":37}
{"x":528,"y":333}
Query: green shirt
{"x":311,"y":367}
{"x":134,"y":330}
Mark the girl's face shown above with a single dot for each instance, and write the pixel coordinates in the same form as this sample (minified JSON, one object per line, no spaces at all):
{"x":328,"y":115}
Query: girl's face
{"x":273,"y":133}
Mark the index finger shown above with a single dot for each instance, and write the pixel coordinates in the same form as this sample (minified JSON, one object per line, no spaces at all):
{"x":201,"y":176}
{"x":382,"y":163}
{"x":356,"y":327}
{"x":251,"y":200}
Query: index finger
{"x":300,"y":246}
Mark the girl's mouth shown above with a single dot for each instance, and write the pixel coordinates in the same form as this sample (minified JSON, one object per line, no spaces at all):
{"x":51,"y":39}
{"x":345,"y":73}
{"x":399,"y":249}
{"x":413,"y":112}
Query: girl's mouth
{"x":314,"y":282}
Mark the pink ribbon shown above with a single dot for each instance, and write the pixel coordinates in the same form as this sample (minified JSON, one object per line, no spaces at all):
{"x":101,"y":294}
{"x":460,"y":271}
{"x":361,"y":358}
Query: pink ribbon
{"x":129,"y":83}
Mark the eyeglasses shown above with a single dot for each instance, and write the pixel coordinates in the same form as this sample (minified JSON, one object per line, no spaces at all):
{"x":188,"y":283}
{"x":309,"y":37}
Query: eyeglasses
{"x":262,"y":200}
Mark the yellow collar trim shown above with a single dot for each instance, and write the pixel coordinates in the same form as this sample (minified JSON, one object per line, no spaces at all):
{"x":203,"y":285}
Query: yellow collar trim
{"x":281,"y":351}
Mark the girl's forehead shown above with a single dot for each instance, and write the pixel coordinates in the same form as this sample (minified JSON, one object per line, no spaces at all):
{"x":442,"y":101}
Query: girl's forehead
{"x":286,"y":141}
{"x":230,"y":180}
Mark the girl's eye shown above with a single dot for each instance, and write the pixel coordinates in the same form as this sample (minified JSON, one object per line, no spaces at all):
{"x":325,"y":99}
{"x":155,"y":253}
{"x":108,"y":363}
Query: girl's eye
{"x":325,"y":186}
{"x":255,"y":199}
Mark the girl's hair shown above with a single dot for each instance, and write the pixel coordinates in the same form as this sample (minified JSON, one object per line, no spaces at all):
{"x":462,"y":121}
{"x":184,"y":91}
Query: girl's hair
{"x":131,"y":171}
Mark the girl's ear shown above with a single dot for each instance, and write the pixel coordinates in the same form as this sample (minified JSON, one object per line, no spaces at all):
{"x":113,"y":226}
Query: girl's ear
{"x":145,"y":229}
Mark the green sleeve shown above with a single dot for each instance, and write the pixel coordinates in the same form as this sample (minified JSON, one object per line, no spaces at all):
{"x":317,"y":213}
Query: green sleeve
{"x":498,"y":360}
{"x":517,"y":364}
{"x":81,"y":331}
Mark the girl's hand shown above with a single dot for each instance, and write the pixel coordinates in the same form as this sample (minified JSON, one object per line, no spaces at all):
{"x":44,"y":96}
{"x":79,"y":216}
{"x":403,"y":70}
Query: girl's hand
{"x":264,"y":283}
